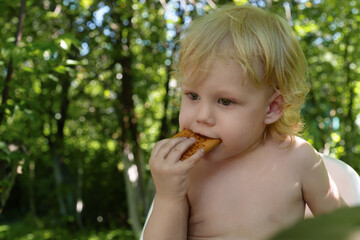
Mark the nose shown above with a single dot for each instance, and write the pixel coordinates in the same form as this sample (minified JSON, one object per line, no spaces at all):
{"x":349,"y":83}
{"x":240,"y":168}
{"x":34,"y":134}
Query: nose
{"x":205,"y":115}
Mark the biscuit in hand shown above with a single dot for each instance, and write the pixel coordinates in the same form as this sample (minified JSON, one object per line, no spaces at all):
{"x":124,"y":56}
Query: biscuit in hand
{"x":202,"y":142}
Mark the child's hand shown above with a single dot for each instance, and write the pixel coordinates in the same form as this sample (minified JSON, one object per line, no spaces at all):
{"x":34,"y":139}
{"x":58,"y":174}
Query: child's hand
{"x":169,"y":174}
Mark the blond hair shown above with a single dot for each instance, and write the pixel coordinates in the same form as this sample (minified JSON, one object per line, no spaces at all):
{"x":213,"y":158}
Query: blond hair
{"x":246,"y":34}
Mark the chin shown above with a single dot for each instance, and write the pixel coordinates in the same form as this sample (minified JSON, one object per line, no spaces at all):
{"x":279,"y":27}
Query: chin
{"x":212,"y":156}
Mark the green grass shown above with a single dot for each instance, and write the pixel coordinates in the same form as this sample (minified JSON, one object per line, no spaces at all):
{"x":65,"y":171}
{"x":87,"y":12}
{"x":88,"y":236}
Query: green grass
{"x":37,"y":230}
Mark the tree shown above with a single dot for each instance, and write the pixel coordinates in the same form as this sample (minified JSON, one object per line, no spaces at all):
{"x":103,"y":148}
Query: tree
{"x":91,"y":92}
{"x":9,"y":161}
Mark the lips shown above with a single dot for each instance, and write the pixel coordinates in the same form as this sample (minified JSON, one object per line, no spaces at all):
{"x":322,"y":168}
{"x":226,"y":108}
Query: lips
{"x":202,"y":134}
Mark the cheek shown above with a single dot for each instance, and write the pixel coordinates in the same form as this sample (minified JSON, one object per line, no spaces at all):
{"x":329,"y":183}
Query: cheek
{"x":184,"y":118}
{"x":241,"y":129}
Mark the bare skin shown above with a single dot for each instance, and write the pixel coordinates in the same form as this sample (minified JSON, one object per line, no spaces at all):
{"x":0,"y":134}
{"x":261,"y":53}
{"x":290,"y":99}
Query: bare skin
{"x":259,"y":195}
{"x":248,"y":187}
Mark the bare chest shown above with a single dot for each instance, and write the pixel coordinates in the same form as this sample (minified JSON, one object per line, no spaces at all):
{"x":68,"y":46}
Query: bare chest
{"x":243,"y":200}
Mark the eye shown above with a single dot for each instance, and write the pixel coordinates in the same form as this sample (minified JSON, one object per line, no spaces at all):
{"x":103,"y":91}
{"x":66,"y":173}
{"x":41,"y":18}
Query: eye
{"x":225,"y":102}
{"x":193,"y":96}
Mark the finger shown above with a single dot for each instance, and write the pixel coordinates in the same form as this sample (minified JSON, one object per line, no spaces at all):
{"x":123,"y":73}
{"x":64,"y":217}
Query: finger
{"x":158,"y":146}
{"x":178,"y":150}
{"x":170,"y":146}
{"x":190,"y":162}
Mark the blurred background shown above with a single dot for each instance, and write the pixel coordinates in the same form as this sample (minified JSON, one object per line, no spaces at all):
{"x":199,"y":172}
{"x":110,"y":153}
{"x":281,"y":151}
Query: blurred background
{"x":86,"y":91}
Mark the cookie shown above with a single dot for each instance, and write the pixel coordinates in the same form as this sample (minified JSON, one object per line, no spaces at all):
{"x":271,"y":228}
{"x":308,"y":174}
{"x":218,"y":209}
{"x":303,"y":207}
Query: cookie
{"x":202,"y":142}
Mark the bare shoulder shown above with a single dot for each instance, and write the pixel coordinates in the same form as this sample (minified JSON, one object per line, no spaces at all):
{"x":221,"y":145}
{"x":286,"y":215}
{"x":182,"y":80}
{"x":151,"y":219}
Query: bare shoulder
{"x":299,"y":153}
{"x":319,"y":192}
{"x":295,"y":147}
{"x":303,"y":151}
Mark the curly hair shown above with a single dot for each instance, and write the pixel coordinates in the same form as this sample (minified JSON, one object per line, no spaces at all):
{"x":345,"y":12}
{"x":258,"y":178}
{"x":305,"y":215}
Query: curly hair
{"x":247,"y":35}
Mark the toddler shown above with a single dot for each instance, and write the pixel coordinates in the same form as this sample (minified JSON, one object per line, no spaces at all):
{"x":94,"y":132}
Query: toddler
{"x":243,"y":78}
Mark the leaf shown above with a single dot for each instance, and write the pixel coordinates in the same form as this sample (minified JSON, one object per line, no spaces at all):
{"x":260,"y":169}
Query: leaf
{"x":26,"y":69}
{"x":72,"y":62}
{"x":86,"y":3}
{"x":60,"y":69}
{"x":340,"y":224}
{"x":35,"y":105}
{"x":43,"y":46}
{"x":3,"y":145}
{"x":10,"y":40}
{"x":65,"y":44}
{"x":5,"y":156}
{"x":67,"y":40}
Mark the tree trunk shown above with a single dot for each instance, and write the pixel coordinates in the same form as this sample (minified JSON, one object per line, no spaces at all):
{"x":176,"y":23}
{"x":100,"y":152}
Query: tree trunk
{"x":164,"y":132}
{"x":18,"y":36}
{"x":56,"y":146}
{"x":79,"y":199}
{"x":133,"y":160}
{"x":56,"y":162}
{"x":134,"y":170}
{"x":130,"y":171}
{"x":32,"y":205}
{"x":5,"y":192}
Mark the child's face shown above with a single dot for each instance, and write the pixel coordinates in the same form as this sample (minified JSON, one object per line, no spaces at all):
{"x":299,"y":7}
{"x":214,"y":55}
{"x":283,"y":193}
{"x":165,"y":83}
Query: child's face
{"x":224,"y":106}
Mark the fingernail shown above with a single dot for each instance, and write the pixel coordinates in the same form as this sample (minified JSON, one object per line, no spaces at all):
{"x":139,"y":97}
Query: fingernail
{"x":192,"y":139}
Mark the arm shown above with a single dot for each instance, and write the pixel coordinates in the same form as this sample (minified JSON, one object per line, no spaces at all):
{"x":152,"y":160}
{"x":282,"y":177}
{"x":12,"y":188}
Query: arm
{"x":319,"y":190}
{"x":169,"y":218}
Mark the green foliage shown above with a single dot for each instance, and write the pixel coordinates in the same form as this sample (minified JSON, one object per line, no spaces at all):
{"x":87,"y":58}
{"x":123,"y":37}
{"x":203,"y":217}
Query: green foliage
{"x":332,"y":107}
{"x":29,"y":230}
{"x":340,"y":224}
{"x":92,"y":92}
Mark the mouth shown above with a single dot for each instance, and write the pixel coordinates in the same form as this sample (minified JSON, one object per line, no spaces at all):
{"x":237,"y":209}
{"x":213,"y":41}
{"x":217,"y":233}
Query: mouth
{"x":202,"y":142}
{"x":206,"y":136}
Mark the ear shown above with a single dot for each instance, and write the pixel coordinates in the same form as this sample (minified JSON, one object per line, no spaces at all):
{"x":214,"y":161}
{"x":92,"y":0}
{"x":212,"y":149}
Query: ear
{"x":275,"y":108}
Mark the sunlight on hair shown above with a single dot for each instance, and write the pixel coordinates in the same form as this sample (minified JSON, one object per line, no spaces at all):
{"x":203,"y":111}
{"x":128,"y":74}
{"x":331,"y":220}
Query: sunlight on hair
{"x":173,"y":83}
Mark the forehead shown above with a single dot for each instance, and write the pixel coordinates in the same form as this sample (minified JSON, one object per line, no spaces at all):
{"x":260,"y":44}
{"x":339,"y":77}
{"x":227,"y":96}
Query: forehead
{"x":227,"y":77}
{"x":221,"y":76}
{"x":220,"y":69}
